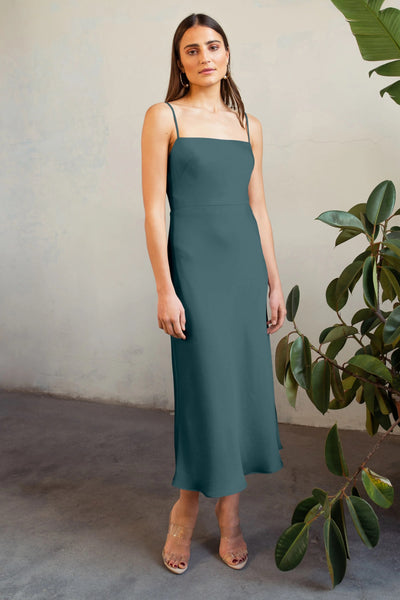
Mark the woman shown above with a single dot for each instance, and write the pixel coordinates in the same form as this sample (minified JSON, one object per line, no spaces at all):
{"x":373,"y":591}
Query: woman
{"x":212,"y":275}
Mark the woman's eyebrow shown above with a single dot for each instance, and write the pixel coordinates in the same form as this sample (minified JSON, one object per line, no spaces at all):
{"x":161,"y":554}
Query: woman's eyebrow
{"x":210,"y":42}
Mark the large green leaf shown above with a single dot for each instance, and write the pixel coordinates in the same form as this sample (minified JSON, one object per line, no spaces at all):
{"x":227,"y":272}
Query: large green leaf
{"x":320,"y":384}
{"x":381,"y":201}
{"x":383,"y":401}
{"x":303,"y":508}
{"x":282,"y":358}
{"x":393,"y":90}
{"x":370,"y":282}
{"x":377,"y":33}
{"x":392,"y":242}
{"x":350,"y":381}
{"x":348,"y":278}
{"x":345,"y":235}
{"x":361,"y":315}
{"x":335,"y":347}
{"x":371,"y":422}
{"x":337,"y":514}
{"x":291,"y":386}
{"x":336,"y":404}
{"x":338,"y":331}
{"x":333,"y":300}
{"x":369,"y":325}
{"x":395,"y":360}
{"x":360,"y":395}
{"x":335,"y":551}
{"x":388,"y":292}
{"x":340,"y":218}
{"x":323,"y":500}
{"x":292,"y":303}
{"x":384,"y":421}
{"x":376,"y":338}
{"x":370,"y":364}
{"x":364,"y":519}
{"x":291,"y":546}
{"x":369,"y":395}
{"x":337,"y":384}
{"x":391,"y":330}
{"x":300,"y":361}
{"x":312,"y":513}
{"x":394,"y":231}
{"x":392,"y":279}
{"x":390,"y":69}
{"x":390,"y":259}
{"x":359,"y":210}
{"x":393,"y":245}
{"x":378,"y":488}
{"x":334,"y":453}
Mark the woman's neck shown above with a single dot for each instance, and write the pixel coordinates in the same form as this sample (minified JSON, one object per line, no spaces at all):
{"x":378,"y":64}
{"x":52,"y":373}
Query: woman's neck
{"x":207,"y":98}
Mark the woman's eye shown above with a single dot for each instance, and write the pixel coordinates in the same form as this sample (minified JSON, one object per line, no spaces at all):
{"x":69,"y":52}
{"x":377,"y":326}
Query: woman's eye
{"x":214,"y":47}
{"x":191,"y":51}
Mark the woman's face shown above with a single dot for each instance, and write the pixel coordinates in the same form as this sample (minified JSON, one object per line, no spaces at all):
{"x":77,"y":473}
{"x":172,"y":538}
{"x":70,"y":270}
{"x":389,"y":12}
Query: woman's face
{"x":203,"y":55}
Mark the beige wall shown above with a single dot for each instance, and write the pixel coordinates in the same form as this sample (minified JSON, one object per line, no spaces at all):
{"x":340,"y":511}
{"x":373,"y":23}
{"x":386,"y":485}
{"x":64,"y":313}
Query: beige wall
{"x":78,"y":302}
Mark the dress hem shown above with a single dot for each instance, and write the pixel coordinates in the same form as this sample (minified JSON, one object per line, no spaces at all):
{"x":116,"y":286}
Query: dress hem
{"x":219,"y":495}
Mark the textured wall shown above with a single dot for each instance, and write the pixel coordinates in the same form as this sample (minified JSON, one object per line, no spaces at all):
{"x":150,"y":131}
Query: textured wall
{"x":78,"y":302}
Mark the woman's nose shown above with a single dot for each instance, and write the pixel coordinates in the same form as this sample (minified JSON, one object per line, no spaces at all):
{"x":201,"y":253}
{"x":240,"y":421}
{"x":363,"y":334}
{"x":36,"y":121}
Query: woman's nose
{"x":204,"y":58}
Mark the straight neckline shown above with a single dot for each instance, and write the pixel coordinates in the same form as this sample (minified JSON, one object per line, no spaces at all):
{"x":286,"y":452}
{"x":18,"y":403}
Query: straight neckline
{"x":209,"y":138}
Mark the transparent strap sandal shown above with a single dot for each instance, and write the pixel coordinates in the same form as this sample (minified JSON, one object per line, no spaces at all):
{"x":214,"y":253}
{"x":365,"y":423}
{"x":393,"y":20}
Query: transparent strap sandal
{"x":178,"y":562}
{"x":236,"y":559}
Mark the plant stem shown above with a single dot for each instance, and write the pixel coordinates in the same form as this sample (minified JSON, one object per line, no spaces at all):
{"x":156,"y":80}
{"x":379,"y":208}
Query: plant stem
{"x":371,"y":453}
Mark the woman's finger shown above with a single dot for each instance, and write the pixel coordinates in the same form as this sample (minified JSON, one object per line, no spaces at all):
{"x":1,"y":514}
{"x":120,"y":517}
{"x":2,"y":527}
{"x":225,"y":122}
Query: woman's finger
{"x":178,"y":328}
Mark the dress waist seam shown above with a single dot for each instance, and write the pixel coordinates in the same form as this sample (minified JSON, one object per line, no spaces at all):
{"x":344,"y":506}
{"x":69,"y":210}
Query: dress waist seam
{"x":197,"y":206}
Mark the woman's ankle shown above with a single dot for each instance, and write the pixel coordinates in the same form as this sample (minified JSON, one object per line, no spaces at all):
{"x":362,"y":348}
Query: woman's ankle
{"x":185,"y":512}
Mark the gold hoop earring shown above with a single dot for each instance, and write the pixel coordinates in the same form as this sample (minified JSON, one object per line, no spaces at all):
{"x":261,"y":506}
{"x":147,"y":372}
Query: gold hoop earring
{"x":181,"y":80}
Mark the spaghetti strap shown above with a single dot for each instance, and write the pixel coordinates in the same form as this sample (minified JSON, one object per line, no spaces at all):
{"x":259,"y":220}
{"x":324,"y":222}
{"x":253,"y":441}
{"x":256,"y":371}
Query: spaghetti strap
{"x":176,"y":122}
{"x":247,"y":123}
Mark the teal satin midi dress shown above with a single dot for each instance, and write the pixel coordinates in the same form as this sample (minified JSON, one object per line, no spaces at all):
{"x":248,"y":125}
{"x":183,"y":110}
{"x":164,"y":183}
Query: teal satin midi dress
{"x":225,"y":421}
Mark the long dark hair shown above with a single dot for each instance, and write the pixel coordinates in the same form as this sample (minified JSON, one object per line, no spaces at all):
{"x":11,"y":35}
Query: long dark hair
{"x":229,"y":90}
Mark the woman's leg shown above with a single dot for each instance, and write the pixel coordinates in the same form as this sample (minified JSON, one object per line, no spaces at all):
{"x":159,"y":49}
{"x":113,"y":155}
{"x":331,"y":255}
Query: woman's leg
{"x":231,"y":542}
{"x":183,"y":513}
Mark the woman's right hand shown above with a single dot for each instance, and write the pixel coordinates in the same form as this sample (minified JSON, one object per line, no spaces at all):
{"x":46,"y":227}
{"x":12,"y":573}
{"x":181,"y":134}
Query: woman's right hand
{"x":171,"y":314}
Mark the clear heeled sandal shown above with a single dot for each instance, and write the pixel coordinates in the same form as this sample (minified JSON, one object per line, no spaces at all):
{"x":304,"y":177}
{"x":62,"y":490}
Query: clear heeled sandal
{"x":236,"y":559}
{"x":184,"y":534}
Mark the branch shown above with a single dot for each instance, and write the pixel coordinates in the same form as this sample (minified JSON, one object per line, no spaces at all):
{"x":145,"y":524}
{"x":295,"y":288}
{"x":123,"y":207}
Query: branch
{"x":371,"y":453}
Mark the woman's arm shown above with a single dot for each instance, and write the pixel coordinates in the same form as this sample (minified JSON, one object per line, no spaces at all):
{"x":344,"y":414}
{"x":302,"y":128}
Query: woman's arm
{"x":156,"y":132}
{"x":258,"y":206}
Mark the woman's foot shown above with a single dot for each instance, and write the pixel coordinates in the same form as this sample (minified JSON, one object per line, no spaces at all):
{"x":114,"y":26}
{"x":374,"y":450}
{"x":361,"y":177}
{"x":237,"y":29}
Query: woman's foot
{"x":232,"y":547}
{"x":182,"y":519}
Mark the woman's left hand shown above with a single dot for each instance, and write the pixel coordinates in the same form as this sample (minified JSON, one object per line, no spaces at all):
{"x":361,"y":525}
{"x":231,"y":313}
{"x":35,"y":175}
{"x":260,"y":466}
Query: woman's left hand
{"x":277,"y":310}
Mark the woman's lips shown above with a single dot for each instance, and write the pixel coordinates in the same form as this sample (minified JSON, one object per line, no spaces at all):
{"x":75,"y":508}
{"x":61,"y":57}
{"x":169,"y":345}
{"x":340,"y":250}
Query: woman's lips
{"x":207,"y":71}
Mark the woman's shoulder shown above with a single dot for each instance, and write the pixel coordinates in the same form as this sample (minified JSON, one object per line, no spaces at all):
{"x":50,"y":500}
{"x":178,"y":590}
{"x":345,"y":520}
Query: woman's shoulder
{"x":159,"y":119}
{"x":158,"y":109}
{"x":253,"y":121}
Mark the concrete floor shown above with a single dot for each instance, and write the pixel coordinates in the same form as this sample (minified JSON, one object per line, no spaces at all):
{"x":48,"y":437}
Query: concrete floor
{"x":85,"y":493}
